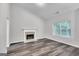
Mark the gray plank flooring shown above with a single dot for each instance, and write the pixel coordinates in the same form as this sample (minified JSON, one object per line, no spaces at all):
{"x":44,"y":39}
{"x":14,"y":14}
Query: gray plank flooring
{"x":43,"y":47}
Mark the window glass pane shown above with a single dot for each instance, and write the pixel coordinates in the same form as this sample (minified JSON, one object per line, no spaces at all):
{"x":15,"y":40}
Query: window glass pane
{"x":62,"y":28}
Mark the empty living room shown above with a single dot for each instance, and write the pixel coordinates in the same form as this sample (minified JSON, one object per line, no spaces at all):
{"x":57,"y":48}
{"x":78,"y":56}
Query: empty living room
{"x":39,"y":29}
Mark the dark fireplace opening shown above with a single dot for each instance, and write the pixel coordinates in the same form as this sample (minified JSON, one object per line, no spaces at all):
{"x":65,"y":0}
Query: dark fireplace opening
{"x":29,"y":36}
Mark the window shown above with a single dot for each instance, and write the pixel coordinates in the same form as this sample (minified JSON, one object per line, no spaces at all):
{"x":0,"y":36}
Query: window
{"x":62,"y":29}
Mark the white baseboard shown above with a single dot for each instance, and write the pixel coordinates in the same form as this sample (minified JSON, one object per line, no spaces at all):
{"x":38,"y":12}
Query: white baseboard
{"x":16,"y":41}
{"x":23,"y":41}
{"x":64,"y":43}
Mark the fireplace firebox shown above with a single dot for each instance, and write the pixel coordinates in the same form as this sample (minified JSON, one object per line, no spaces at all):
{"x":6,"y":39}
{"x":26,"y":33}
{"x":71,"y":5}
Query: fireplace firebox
{"x":29,"y":36}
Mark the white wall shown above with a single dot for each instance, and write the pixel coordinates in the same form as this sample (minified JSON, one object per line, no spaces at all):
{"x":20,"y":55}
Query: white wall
{"x":3,"y":32}
{"x":76,"y":12}
{"x":65,"y":16}
{"x":21,"y":19}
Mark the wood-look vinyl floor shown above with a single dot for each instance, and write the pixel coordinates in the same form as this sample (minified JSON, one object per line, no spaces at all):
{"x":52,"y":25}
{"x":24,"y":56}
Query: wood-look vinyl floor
{"x":43,"y":47}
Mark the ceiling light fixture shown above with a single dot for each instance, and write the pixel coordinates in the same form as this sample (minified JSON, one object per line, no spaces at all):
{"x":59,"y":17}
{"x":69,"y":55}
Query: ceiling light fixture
{"x":40,"y":4}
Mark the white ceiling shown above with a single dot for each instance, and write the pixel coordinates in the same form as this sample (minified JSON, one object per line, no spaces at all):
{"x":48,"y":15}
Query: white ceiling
{"x":49,"y":9}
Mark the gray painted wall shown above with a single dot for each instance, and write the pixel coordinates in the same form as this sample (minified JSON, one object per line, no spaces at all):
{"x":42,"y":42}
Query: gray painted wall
{"x":76,"y":13}
{"x":21,"y":19}
{"x":3,"y":17}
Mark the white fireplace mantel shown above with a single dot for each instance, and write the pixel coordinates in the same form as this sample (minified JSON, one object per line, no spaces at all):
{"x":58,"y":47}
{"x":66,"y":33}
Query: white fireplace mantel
{"x":26,"y":31}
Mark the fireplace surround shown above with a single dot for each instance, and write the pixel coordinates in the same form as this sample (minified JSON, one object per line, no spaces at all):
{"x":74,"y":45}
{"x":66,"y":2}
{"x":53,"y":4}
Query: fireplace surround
{"x":29,"y":36}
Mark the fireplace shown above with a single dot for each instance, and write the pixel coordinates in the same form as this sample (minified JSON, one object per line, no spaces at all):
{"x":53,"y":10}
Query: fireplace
{"x":29,"y":35}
